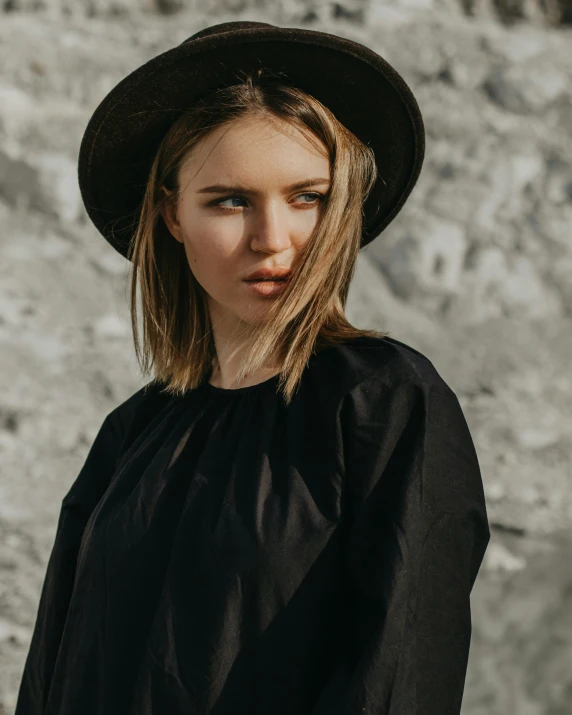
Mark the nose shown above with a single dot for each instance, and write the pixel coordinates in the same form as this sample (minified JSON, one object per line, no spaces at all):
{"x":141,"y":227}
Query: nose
{"x":270,"y":229}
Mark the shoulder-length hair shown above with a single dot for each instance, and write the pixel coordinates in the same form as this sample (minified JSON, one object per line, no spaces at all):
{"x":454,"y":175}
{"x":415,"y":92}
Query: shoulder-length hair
{"x":308,"y":315}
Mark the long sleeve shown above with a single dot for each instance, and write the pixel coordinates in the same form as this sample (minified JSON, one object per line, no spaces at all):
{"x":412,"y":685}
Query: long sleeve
{"x":76,"y":508}
{"x":416,"y":531}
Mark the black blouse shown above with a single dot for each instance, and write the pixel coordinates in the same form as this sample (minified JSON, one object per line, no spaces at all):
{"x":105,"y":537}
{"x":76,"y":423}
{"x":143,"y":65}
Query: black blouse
{"x":222,"y":553}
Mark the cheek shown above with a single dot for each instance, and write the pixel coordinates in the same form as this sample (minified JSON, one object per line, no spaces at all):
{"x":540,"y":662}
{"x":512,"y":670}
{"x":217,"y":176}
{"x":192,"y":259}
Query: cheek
{"x":304,"y":224}
{"x":205,"y":236}
{"x":210,"y":256}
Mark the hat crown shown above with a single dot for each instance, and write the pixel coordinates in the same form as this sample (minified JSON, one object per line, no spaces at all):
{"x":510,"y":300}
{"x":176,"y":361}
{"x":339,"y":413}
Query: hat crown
{"x":223,"y":27}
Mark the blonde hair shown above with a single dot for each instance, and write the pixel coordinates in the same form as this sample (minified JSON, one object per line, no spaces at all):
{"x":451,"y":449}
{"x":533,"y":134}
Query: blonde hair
{"x":309,"y":314}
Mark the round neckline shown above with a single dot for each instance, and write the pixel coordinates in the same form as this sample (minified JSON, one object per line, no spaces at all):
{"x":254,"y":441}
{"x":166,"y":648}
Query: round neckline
{"x":239,"y":390}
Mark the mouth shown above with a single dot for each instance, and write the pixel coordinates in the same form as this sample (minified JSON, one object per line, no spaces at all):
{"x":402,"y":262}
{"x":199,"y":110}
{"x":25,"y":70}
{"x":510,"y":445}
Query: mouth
{"x":268,"y":280}
{"x":267,"y":286}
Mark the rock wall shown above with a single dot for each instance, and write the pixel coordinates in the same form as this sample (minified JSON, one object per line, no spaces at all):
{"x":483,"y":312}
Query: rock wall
{"x":544,"y":12}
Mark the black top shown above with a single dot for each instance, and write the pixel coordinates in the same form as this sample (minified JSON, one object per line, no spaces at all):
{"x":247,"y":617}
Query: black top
{"x":224,"y":554}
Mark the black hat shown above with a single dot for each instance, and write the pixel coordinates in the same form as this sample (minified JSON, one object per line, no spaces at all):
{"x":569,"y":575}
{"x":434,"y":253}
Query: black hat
{"x":359,"y":87}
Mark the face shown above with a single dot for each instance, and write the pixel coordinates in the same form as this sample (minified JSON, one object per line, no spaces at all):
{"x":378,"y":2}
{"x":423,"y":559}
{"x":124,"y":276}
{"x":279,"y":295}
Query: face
{"x":239,"y":210}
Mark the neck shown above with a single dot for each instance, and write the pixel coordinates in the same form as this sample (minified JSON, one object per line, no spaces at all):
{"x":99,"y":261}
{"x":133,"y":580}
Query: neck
{"x":225,"y":377}
{"x":231,"y":345}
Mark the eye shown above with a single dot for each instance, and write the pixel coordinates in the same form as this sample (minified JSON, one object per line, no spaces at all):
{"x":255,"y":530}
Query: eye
{"x":317,"y":197}
{"x":219,"y":202}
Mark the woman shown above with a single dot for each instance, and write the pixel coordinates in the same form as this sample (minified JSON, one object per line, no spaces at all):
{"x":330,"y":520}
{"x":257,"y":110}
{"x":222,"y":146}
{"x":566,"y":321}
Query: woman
{"x":289,"y":518}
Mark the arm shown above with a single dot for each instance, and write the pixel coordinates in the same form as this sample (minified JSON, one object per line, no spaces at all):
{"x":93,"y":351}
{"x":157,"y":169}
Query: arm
{"x":77,"y":506}
{"x":416,"y":533}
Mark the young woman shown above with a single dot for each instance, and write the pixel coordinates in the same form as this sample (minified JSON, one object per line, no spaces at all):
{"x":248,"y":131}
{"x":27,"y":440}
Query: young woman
{"x":289,"y":518}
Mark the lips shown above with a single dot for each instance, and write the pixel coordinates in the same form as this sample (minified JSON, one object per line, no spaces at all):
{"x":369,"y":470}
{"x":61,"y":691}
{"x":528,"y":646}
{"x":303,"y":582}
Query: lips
{"x":267,"y":288}
{"x":264,"y":280}
{"x":271,"y":274}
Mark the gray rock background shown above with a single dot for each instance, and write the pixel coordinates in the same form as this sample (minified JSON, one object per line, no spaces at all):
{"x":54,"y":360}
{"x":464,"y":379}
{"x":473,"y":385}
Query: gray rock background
{"x":475,"y":272}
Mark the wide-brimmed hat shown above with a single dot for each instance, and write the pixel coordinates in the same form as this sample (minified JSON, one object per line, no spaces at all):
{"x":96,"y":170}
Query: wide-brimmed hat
{"x":360,"y":88}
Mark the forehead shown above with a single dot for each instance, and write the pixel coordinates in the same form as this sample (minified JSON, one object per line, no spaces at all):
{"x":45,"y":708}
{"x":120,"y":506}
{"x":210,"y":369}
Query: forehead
{"x":253,"y":147}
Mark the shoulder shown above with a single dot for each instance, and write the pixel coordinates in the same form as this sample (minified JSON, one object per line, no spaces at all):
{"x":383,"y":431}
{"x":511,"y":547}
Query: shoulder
{"x":135,"y":412}
{"x":384,"y":381}
{"x":119,"y":425}
{"x":384,"y":361}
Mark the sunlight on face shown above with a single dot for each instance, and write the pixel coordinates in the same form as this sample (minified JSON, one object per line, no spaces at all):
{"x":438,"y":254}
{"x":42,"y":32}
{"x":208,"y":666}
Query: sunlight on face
{"x":263,"y":222}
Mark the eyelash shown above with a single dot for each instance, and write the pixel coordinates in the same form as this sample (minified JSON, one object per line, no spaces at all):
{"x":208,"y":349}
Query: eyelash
{"x":217,"y":202}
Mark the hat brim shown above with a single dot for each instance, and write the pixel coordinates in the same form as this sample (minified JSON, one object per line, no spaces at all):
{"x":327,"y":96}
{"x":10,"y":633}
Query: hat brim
{"x":362,"y":90}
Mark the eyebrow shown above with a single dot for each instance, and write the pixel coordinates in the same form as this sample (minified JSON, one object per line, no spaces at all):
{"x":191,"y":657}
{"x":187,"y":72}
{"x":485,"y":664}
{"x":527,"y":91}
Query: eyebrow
{"x":223,"y":189}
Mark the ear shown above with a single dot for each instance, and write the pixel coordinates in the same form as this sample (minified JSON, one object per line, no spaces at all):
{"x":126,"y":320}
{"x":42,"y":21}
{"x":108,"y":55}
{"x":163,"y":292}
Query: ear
{"x":168,"y":210}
